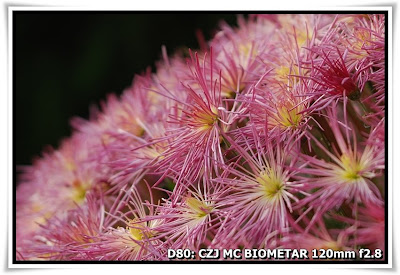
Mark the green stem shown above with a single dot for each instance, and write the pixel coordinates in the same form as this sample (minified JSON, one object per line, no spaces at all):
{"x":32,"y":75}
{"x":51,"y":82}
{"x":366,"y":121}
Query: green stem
{"x":358,"y":119}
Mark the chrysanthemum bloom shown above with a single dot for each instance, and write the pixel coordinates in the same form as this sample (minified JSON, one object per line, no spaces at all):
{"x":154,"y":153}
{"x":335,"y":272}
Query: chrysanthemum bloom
{"x":349,"y":64}
{"x":57,"y":183}
{"x":192,"y":219}
{"x":342,"y":65}
{"x":194,"y":134}
{"x":117,"y":234}
{"x":364,"y":38}
{"x":318,"y":237}
{"x":369,"y":226}
{"x":66,"y":235}
{"x":278,"y":101}
{"x":293,"y":35}
{"x":349,"y":173}
{"x":281,"y":115}
{"x":238,"y":54}
{"x":301,"y":27}
{"x":377,"y":137}
{"x":261,"y":193}
{"x":124,"y":125}
{"x":333,"y":78}
{"x":128,"y":234}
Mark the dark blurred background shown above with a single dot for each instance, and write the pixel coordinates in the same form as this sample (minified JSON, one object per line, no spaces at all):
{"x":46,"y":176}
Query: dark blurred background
{"x":66,"y":61}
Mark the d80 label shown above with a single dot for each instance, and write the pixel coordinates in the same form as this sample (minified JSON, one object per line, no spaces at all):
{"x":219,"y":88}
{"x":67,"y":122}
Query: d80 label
{"x":181,"y":254}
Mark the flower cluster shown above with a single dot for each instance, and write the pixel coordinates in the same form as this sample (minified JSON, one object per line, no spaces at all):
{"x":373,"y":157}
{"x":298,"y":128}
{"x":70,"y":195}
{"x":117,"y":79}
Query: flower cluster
{"x":271,"y":136}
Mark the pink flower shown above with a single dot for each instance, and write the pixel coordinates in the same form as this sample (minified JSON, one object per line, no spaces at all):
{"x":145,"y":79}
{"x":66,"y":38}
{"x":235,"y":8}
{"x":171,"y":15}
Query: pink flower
{"x":194,"y":134}
{"x":128,"y":233}
{"x":57,"y":183}
{"x":318,"y":237}
{"x":347,"y":176}
{"x":261,"y":192}
{"x":369,"y":226}
{"x":191,"y":218}
{"x":333,"y":77}
{"x":64,"y":236}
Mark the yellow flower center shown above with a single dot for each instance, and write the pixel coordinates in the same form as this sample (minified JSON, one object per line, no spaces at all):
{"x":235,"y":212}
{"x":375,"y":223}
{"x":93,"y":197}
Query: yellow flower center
{"x":42,"y":219}
{"x":206,"y":119}
{"x":271,"y":183}
{"x":79,"y":191}
{"x":131,"y":126}
{"x":198,"y":208}
{"x":351,"y":168}
{"x":289,"y":118}
{"x":70,"y":165}
{"x":244,"y":49}
{"x":153,"y":152}
{"x":286,"y":116}
{"x":154,"y":97}
{"x":36,"y":207}
{"x":246,"y":52}
{"x":301,"y":32}
{"x":230,"y":87}
{"x":136,"y":230}
{"x":301,"y":37}
{"x":330,"y":245}
{"x":363,"y":39}
{"x":283,"y":72}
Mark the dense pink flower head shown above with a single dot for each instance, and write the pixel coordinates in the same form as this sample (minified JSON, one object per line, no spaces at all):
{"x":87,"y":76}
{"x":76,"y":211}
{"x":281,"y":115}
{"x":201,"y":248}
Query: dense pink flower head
{"x":272,"y":135}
